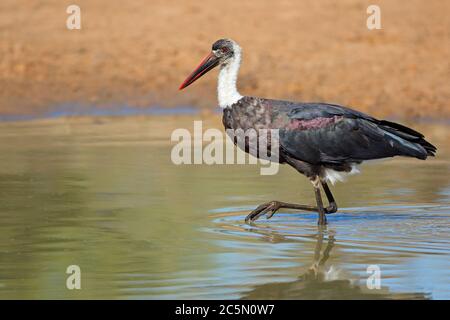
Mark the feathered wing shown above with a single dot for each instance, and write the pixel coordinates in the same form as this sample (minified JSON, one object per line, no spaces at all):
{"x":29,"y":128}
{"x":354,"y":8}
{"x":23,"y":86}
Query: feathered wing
{"x":330,"y":134}
{"x":409,"y":135}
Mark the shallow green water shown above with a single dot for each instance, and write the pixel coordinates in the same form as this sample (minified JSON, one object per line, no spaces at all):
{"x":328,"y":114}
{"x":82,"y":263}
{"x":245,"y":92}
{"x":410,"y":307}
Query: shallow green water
{"x":140,"y":227}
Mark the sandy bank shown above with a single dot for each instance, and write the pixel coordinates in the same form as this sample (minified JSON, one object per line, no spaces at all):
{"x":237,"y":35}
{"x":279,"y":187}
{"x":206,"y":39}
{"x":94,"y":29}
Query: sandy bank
{"x":138,"y":52}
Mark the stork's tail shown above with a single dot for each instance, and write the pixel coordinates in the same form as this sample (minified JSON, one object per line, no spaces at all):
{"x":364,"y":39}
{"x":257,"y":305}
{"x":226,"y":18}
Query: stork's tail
{"x":416,"y":145}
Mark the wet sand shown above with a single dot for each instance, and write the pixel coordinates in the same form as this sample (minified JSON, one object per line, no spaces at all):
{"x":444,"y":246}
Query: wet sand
{"x":137,"y":53}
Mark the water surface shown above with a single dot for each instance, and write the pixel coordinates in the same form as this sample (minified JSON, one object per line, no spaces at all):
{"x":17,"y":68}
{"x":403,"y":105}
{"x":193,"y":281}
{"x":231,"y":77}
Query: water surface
{"x":103,"y":194}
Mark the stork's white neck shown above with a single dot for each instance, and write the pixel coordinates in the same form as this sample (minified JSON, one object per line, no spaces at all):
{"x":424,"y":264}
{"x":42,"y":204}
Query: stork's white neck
{"x":227,"y":93}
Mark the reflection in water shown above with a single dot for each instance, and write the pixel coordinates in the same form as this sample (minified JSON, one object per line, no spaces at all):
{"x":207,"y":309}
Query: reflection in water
{"x":321,"y":281}
{"x":103,"y":194}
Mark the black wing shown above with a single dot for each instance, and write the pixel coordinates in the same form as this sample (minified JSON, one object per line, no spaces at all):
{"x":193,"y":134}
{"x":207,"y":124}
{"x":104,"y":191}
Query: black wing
{"x":324,"y":133}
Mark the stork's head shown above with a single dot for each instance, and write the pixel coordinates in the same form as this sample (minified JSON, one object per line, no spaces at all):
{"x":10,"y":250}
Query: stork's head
{"x":222,"y":51}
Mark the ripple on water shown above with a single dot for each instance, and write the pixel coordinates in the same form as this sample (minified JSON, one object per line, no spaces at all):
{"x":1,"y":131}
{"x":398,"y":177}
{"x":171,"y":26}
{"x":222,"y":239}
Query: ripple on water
{"x":399,"y":238}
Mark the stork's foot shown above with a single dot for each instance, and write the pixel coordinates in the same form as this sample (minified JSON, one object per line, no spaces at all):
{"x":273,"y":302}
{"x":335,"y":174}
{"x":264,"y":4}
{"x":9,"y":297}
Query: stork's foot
{"x":271,"y":207}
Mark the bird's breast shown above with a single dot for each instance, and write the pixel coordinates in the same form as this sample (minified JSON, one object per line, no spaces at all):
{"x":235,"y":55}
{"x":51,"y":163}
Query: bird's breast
{"x":248,"y":125}
{"x":247,"y":113}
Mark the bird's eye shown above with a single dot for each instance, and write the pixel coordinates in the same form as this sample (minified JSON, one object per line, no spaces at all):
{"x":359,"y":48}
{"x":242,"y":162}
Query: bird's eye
{"x":224,"y":50}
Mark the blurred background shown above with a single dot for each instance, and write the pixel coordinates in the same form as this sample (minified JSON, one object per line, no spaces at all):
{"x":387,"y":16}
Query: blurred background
{"x":137,"y":53}
{"x":86,"y":177}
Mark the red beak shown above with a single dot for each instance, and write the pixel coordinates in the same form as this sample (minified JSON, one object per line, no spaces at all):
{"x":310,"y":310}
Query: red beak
{"x":208,"y":63}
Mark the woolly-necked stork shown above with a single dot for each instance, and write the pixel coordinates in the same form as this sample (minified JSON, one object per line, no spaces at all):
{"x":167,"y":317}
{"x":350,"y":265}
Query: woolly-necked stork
{"x":322,"y":141}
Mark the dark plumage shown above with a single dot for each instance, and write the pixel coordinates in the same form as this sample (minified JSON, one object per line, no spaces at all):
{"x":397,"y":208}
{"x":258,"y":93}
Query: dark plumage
{"x":319,"y":140}
{"x":326,"y":135}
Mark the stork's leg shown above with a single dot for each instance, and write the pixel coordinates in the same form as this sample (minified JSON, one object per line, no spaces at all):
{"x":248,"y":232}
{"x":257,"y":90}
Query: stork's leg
{"x":320,"y":209}
{"x":271,"y":207}
{"x":332,"y":206}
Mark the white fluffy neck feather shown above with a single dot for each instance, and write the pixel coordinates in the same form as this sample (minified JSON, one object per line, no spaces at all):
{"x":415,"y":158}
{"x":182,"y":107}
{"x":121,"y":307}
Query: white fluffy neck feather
{"x":227,"y":93}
